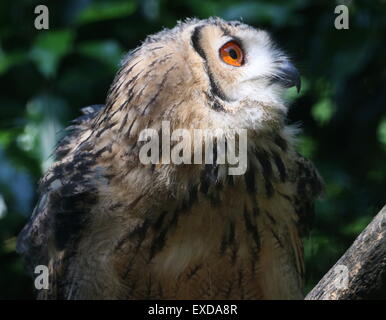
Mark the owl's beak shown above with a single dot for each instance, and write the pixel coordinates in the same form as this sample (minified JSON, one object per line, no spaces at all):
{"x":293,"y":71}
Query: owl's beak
{"x":287,"y":75}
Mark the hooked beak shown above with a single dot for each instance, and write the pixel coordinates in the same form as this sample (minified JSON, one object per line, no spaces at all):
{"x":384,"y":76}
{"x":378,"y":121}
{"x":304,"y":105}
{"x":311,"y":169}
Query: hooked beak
{"x":287,"y":75}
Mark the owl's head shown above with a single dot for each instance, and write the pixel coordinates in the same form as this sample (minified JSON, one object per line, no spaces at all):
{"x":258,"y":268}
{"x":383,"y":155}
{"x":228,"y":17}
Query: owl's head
{"x":205,"y":73}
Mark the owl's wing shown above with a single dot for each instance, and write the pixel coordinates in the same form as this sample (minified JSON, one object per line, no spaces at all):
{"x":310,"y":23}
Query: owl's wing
{"x":308,"y":187}
{"x":66,"y":196}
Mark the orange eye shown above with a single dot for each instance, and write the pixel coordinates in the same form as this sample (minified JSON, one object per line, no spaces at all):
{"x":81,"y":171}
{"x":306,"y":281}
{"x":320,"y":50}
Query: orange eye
{"x":232,"y":54}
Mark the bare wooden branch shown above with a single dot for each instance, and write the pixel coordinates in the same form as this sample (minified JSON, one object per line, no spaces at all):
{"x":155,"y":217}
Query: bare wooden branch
{"x":361,"y":272}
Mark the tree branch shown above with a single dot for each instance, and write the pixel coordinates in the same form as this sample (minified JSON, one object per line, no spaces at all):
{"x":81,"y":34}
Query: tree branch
{"x":361,"y":272}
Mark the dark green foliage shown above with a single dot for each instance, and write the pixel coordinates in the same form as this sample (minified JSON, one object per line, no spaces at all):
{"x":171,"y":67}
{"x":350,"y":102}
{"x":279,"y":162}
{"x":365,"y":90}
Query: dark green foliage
{"x":47,"y":76}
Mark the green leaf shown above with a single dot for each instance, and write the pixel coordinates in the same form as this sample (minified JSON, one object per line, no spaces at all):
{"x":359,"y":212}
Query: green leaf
{"x":10,"y":245}
{"x":41,"y":132}
{"x":108,"y":51}
{"x":8,"y":60}
{"x":5,"y":138}
{"x":356,"y":227}
{"x":382,"y":132}
{"x":323,"y":111}
{"x":99,"y":11}
{"x":49,"y":48}
{"x":307,"y":146}
{"x":262,"y":12}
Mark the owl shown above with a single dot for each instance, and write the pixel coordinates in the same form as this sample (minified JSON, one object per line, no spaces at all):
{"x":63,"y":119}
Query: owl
{"x":109,"y":226}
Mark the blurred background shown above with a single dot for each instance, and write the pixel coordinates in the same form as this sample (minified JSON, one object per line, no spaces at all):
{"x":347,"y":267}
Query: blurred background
{"x":46,"y":76}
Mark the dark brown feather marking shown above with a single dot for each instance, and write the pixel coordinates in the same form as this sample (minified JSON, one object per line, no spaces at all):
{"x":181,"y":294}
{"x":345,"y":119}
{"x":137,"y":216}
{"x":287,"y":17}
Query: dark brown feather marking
{"x":138,"y":234}
{"x":280,"y":167}
{"x":162,"y":60}
{"x":270,"y":217}
{"x":281,"y":142}
{"x":251,"y":228}
{"x":250,"y":179}
{"x":228,"y":238}
{"x":265,"y":163}
{"x":215,"y":90}
{"x":160,"y":88}
{"x":123,"y":123}
{"x":193,"y":271}
{"x":158,"y":243}
{"x":277,"y":238}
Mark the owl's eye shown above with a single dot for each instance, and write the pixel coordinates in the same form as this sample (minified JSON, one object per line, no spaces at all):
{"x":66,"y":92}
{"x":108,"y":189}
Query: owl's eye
{"x":231,"y":53}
